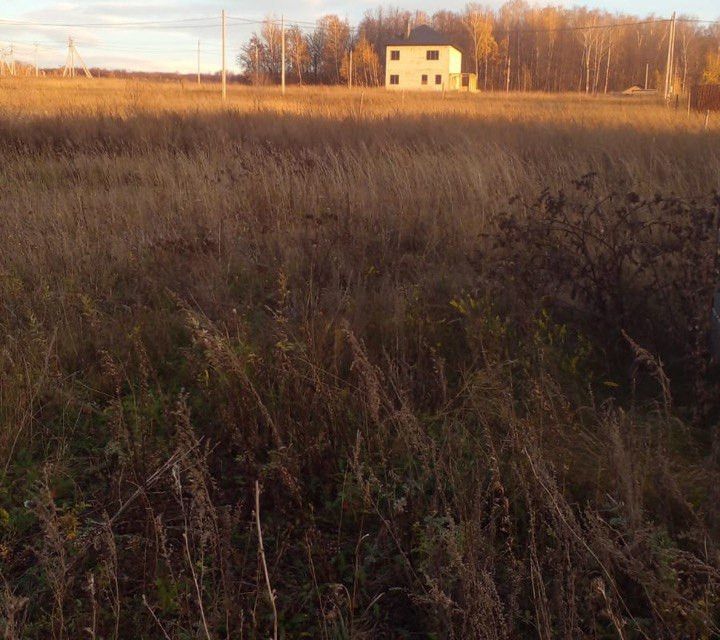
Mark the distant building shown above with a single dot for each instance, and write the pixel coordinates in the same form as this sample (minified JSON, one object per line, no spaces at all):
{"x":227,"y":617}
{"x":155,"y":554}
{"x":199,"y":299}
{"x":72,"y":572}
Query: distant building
{"x":426,"y":60}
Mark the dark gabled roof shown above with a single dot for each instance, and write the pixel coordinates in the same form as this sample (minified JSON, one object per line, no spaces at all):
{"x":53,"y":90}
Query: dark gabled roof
{"x":423,"y":36}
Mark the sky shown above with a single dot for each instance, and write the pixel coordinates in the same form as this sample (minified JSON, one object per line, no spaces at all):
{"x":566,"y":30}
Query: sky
{"x":105,"y":39}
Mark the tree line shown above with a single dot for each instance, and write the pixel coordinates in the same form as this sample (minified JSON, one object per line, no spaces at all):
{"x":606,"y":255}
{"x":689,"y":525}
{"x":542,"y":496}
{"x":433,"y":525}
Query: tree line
{"x":515,"y":47}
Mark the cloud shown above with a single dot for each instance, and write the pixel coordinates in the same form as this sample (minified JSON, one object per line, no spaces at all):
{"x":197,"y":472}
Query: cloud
{"x":174,"y":47}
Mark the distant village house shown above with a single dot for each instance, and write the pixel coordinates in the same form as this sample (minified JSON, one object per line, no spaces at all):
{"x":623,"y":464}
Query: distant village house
{"x":426,"y":60}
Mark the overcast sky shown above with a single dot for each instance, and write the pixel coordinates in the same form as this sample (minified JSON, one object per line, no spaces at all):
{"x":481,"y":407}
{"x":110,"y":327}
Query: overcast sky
{"x":174,"y":48}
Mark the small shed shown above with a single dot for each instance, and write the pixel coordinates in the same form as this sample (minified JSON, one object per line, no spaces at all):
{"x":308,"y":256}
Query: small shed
{"x":638,"y":91}
{"x":463,"y":82}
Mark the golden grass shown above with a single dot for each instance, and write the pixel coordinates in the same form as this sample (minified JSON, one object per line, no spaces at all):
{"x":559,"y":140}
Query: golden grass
{"x":128,"y":147}
{"x":195,"y":296}
{"x":49,"y":96}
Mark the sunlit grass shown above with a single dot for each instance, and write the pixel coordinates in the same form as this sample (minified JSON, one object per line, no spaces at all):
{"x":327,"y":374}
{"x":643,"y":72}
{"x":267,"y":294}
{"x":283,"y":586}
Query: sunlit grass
{"x":305,"y":291}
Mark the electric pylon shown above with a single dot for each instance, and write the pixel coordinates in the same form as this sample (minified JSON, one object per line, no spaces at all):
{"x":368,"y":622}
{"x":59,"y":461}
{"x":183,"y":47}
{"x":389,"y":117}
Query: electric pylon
{"x":72,"y":56}
{"x":7,"y":61}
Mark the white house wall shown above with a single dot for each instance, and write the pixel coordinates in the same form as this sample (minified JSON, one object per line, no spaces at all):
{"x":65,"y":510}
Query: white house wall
{"x":413,"y":64}
{"x":455,"y":60}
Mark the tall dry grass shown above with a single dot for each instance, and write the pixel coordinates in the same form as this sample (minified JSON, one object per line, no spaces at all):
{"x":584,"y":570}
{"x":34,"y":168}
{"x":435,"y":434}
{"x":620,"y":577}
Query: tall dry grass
{"x":322,"y":293}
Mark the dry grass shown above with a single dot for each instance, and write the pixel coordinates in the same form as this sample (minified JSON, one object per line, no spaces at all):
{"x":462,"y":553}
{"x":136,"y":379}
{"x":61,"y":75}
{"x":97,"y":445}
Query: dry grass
{"x":307,"y":292}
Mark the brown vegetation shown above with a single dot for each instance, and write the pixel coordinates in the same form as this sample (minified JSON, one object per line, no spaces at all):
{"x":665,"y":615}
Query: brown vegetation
{"x":470,"y":416}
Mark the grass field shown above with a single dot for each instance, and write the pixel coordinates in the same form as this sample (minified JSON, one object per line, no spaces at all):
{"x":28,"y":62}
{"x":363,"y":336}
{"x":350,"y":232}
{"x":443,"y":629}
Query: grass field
{"x":460,"y":343}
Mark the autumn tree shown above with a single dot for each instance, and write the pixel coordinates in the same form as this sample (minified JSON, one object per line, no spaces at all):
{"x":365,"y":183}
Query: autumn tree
{"x":271,"y":34}
{"x":518,"y":46}
{"x":711,"y":74}
{"x":478,"y":23}
{"x":366,"y":63}
{"x":298,"y":52}
{"x":336,"y":46}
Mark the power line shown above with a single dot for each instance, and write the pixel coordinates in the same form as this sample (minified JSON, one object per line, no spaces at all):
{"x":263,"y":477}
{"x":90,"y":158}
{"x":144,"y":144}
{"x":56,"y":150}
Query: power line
{"x":302,"y":25}
{"x":110,"y":47}
{"x":211,"y":21}
{"x":355,"y":30}
{"x":52,"y":46}
{"x":177,"y":22}
{"x":305,"y":26}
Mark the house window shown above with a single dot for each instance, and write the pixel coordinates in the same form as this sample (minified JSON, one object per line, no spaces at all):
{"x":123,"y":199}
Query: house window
{"x":433,"y":54}
{"x":424,"y":79}
{"x":394,"y":79}
{"x":438,"y":79}
{"x":394,"y":55}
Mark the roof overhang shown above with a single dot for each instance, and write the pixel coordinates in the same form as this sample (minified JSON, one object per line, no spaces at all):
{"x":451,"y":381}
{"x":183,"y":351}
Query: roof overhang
{"x":394,"y":45}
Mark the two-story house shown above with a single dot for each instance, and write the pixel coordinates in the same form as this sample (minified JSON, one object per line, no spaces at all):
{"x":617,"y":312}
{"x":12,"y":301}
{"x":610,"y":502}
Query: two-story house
{"x":425,"y":60}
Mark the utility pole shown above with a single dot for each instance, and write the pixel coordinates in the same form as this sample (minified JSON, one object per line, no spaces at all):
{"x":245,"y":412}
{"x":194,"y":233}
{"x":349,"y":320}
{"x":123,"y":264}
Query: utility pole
{"x":350,"y":70}
{"x":69,"y":69}
{"x":607,"y":68}
{"x":198,"y":61}
{"x":507,"y":70}
{"x":37,"y":70}
{"x":4,"y":62}
{"x":672,"y":57}
{"x":668,"y":64}
{"x":224,"y":73}
{"x":518,"y":66}
{"x":647,"y":73}
{"x":257,"y":63}
{"x":282,"y":55}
